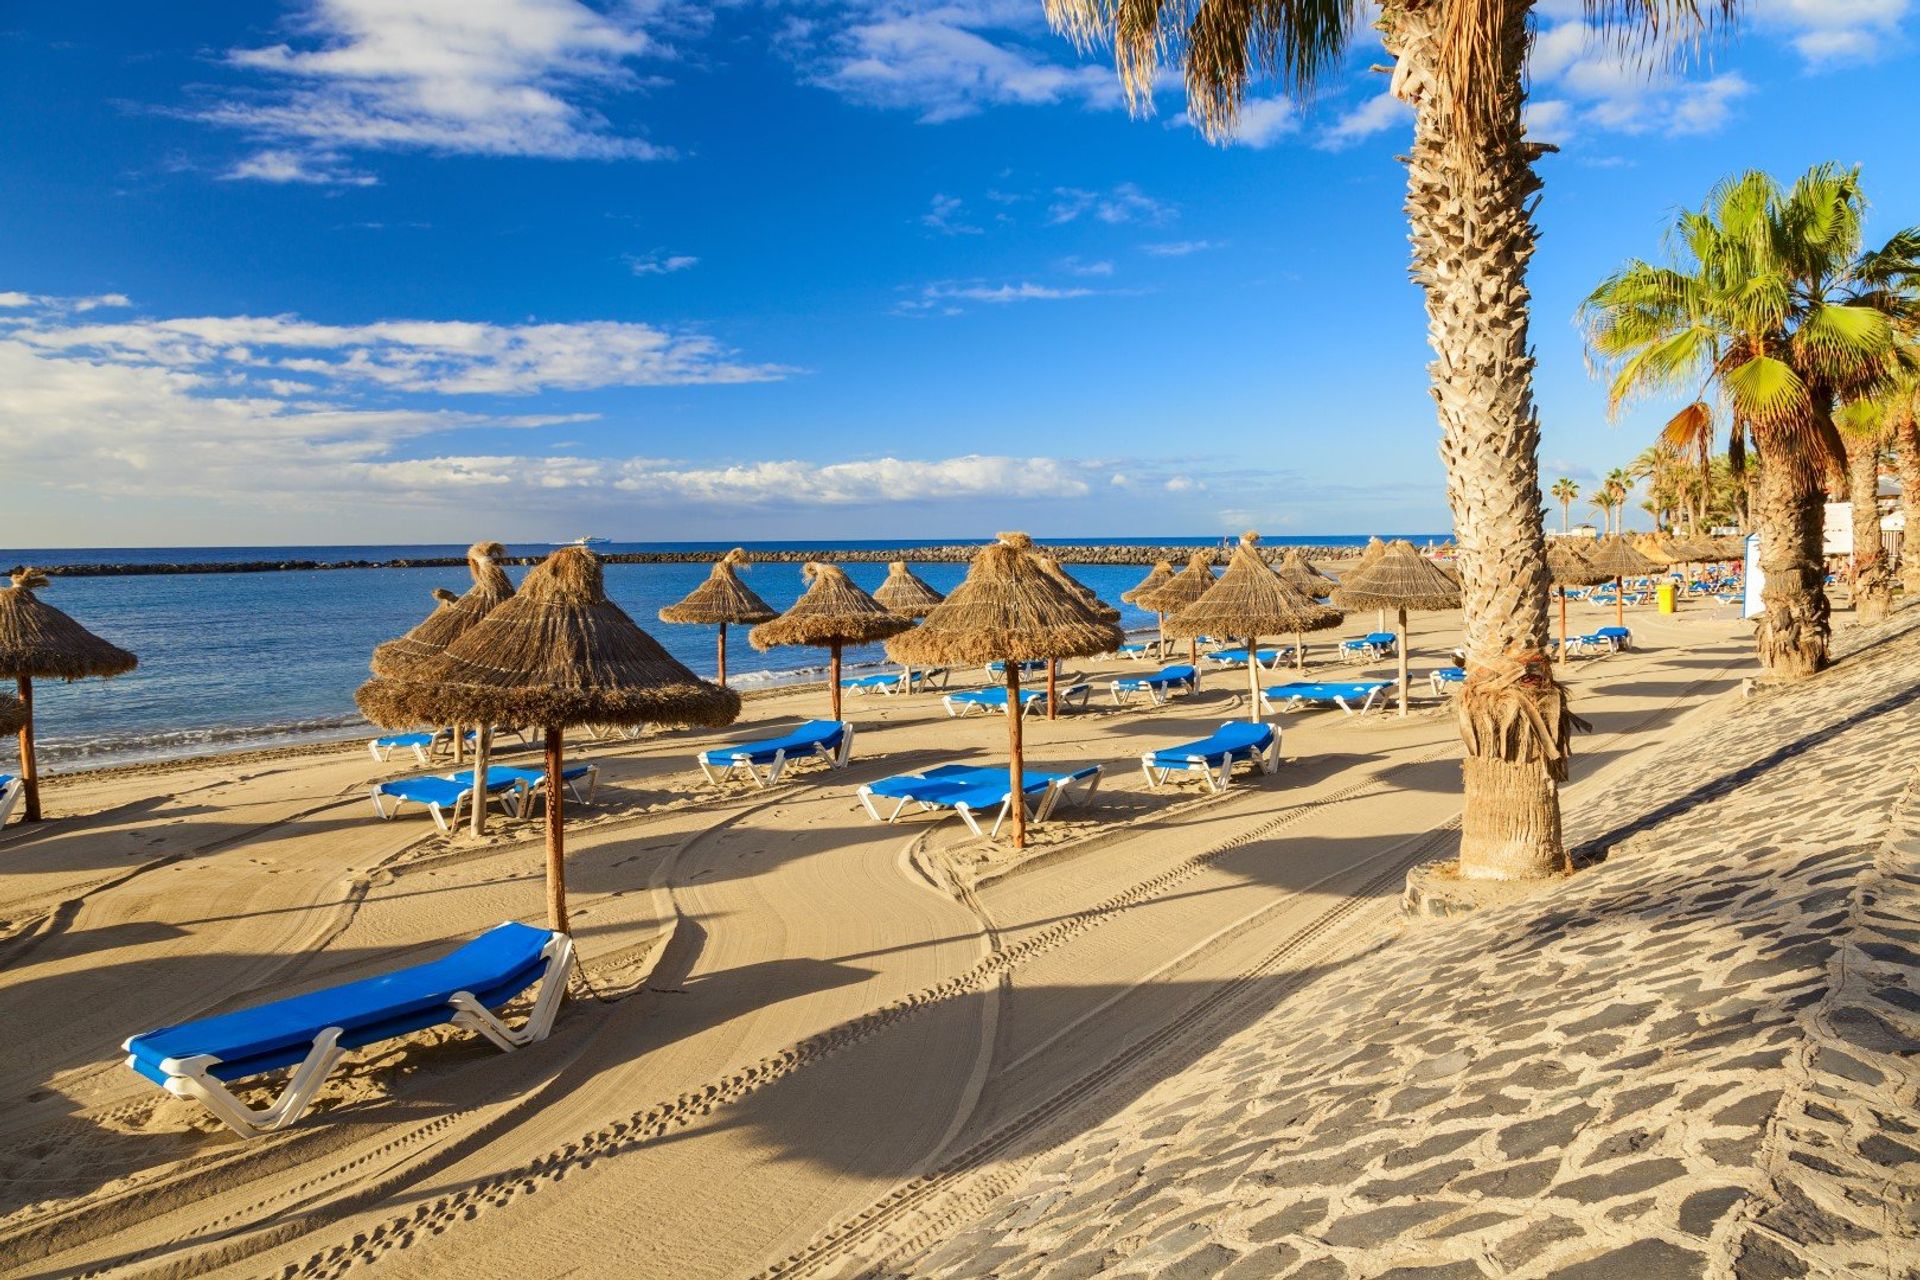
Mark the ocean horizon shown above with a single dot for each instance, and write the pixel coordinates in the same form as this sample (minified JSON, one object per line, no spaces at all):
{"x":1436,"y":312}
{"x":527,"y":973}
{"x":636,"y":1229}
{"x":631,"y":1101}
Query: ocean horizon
{"x":233,"y":662}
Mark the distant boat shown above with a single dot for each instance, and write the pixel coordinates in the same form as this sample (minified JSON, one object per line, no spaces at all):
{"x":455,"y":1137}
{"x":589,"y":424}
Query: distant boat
{"x":585,"y":541}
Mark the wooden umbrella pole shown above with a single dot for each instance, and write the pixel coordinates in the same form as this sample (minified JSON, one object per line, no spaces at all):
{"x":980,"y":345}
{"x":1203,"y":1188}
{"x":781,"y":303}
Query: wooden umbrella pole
{"x":833,"y":678}
{"x":1016,"y":766}
{"x":1620,"y":600}
{"x":29,"y":769}
{"x":1162,"y":618}
{"x":1402,"y":647}
{"x":1053,"y":685}
{"x":459,"y":743}
{"x":1253,"y":681}
{"x":1563,"y":624}
{"x":723,"y":655}
{"x":1299,"y":652}
{"x":482,"y":751}
{"x":556,"y":838}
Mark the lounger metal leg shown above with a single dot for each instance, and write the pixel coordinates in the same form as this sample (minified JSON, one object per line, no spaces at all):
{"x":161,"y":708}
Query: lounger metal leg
{"x":191,"y":1078}
{"x":845,"y":753}
{"x":775,"y":769}
{"x":380,"y":808}
{"x":475,"y":1016}
{"x":973,"y":825}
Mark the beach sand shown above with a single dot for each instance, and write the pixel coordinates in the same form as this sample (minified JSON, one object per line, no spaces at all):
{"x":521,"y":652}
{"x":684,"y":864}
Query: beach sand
{"x":785,"y":1013}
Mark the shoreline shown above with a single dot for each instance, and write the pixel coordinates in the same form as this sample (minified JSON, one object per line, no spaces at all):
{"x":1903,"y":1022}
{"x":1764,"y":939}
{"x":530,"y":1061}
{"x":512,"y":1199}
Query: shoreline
{"x":951,"y":553}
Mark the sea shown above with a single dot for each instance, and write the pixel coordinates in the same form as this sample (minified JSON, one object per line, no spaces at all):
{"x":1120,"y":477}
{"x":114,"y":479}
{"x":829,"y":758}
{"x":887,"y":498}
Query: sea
{"x":237,"y":661}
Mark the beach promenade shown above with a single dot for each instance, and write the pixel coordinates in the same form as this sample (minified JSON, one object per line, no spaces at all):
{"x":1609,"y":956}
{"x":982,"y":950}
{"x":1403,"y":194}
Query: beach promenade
{"x":801,"y":1040}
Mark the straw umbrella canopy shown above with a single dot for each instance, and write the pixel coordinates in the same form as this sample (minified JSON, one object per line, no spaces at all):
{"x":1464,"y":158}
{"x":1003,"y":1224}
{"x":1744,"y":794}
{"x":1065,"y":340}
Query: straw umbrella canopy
{"x":722,"y":599}
{"x":1369,"y":556}
{"x":1181,"y":590}
{"x":1249,"y":601}
{"x":1569,"y":567}
{"x":1162,"y":574}
{"x":38,"y":642}
{"x":831,"y":614}
{"x":1299,"y":574}
{"x":13,"y":714}
{"x":1095,"y":605}
{"x":906,"y":592}
{"x":557,"y":654}
{"x":1008,"y":610}
{"x":1617,"y":558}
{"x":1400,"y":579}
{"x":455,"y":616}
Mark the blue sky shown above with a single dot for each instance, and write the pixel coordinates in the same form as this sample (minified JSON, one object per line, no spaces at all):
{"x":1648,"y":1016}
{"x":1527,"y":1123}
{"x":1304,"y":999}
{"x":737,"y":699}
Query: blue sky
{"x":424,"y":270}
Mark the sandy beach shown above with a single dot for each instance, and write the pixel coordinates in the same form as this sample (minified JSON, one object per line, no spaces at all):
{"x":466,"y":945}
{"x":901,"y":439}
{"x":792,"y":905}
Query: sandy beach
{"x":785,"y":1013}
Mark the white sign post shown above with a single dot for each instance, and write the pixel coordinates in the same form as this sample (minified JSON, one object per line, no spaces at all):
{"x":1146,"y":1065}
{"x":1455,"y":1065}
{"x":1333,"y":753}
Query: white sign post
{"x":1755,"y":579}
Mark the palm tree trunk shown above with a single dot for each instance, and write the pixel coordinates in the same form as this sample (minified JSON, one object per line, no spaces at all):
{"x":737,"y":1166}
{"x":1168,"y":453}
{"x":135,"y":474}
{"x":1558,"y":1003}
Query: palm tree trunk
{"x":1791,"y":638}
{"x":1906,"y":453}
{"x":1872,"y":577}
{"x":1468,"y":203}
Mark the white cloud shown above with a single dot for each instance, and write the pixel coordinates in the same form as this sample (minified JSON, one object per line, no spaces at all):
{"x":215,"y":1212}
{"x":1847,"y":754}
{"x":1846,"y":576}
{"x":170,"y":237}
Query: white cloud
{"x":1263,"y":122}
{"x":1376,"y":115}
{"x":947,"y":215}
{"x":13,"y":299}
{"x":656,"y":264}
{"x":1023,"y":292}
{"x":310,"y":168}
{"x":1179,"y":248}
{"x":1184,"y":484}
{"x":447,"y":357}
{"x":945,"y":60}
{"x":474,"y":77}
{"x":1077,"y":266}
{"x":1585,"y":80}
{"x":1124,"y":203}
{"x":1828,"y":32}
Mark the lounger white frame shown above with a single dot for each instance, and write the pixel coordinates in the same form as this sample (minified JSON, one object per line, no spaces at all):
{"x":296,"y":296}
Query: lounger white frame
{"x":1265,"y":761}
{"x":1044,"y":803}
{"x":740,"y":761}
{"x":1156,"y":695}
{"x":1295,"y":702}
{"x":1076,"y":696}
{"x":192,"y":1078}
{"x":535,"y":793}
{"x":10,"y":796}
{"x":382,"y":749}
{"x":1440,"y":686}
{"x":445,"y":821}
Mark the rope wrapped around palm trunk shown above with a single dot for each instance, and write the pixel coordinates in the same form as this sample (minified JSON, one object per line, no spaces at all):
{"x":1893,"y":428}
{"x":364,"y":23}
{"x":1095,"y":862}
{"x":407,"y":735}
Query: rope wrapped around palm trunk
{"x":1514,"y":711}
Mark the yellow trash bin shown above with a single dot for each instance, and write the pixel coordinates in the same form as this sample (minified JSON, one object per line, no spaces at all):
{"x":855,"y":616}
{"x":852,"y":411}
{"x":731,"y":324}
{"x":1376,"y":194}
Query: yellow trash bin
{"x":1667,"y":595}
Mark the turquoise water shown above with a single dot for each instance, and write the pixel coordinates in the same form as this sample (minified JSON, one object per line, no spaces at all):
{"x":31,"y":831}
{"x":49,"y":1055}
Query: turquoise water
{"x":229,"y":661}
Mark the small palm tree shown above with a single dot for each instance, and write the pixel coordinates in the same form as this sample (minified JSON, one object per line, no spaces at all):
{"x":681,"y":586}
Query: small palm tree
{"x":1564,"y":492}
{"x":1769,"y":304}
{"x":1867,"y":429}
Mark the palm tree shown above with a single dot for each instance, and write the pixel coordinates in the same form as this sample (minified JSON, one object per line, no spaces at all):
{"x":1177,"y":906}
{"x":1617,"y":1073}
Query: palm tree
{"x":1903,"y":425}
{"x":1768,"y":304}
{"x":1460,"y":65}
{"x":1565,"y":491}
{"x":1866,"y":429}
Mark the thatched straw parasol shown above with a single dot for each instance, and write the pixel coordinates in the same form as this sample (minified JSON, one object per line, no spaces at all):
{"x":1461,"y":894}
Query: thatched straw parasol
{"x":1181,"y":590}
{"x":1162,"y":574}
{"x":832,"y":614}
{"x":1299,"y":574}
{"x":906,"y":592}
{"x":1369,"y":556}
{"x":1251,"y":600}
{"x":1400,"y":579}
{"x":1616,"y":558}
{"x":1569,"y":567}
{"x":557,"y":654}
{"x":721,"y":599}
{"x":1009,"y":610}
{"x":455,"y":616}
{"x":38,"y":642}
{"x":1094,"y":604}
{"x":13,"y":714}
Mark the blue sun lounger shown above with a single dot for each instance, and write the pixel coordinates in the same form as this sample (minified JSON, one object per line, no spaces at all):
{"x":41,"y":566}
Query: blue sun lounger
{"x":443,"y":797}
{"x":534,"y":782}
{"x":973,"y":790}
{"x":10,"y":791}
{"x":312,"y":1032}
{"x":422,"y":745}
{"x":1371,"y":647}
{"x":1159,"y":686}
{"x":1303,"y":693}
{"x":763,"y":762}
{"x":1133,"y":650}
{"x":892,"y":682}
{"x":1214,"y":756}
{"x":1268,"y":658}
{"x":1029,"y":664}
{"x":1444,"y":676}
{"x":994,"y":698}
